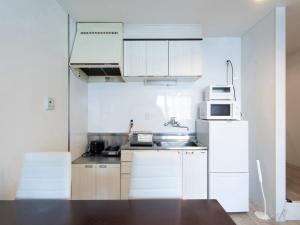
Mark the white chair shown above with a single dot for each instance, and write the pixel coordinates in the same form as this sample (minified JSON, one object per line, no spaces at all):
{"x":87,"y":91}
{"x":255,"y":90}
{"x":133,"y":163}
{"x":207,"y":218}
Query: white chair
{"x":155,"y":174}
{"x":45,"y":175}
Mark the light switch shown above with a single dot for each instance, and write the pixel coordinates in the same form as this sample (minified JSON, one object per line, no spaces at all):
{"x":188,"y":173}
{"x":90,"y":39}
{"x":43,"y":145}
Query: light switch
{"x":49,"y":103}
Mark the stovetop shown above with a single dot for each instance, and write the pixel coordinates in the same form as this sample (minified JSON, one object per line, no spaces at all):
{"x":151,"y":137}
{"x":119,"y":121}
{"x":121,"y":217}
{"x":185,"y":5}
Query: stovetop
{"x":110,"y":151}
{"x":112,"y":148}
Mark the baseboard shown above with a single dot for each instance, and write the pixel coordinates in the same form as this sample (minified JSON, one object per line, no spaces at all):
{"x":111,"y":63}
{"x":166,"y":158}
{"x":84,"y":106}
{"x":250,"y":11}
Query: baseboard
{"x":293,"y":210}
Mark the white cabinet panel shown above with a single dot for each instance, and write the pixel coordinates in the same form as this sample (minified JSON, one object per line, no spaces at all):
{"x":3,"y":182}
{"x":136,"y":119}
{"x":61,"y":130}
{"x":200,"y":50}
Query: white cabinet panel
{"x":231,"y":190}
{"x":163,"y":58}
{"x":135,"y":58}
{"x":194,"y":179}
{"x":146,"y":58}
{"x":108,"y":181}
{"x":157,"y":58}
{"x":228,"y":146}
{"x":126,"y":159}
{"x":185,"y":58}
{"x":83,"y":182}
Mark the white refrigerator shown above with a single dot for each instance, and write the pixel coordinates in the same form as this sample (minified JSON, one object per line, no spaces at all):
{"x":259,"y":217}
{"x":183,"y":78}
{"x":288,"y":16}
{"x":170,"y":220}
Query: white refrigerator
{"x":228,"y":172}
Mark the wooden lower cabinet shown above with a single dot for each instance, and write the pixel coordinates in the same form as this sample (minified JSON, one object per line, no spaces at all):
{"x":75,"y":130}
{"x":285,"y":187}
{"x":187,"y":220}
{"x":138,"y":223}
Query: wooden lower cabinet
{"x":125,"y":184}
{"x":108,"y":181}
{"x":95,"y":181}
{"x":83,"y":181}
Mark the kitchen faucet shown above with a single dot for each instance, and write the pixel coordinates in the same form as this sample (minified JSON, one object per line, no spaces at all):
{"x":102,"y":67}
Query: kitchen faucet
{"x":174,"y":123}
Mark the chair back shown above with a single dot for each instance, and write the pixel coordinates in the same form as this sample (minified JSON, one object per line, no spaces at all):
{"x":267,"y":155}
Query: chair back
{"x":45,"y":175}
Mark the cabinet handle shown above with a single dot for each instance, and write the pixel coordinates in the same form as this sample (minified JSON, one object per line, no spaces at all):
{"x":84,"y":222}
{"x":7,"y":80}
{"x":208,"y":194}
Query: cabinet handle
{"x":102,"y":166}
{"x":88,"y":166}
{"x":189,"y":152}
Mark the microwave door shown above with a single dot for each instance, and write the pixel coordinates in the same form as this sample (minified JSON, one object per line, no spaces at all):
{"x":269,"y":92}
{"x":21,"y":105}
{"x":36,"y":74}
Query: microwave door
{"x":221,"y":111}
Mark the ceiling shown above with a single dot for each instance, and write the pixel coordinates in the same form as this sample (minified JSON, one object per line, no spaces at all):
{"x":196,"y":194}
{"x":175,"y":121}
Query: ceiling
{"x":217,"y":17}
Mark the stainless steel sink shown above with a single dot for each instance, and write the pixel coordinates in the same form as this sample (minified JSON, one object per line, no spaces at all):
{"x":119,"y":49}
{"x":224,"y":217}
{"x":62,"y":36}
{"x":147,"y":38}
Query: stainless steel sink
{"x":170,"y":142}
{"x":173,"y":144}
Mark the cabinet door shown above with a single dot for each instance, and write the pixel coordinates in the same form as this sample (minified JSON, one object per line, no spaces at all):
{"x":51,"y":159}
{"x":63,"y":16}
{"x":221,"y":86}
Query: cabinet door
{"x":108,"y":181}
{"x":185,"y":58}
{"x":125,"y":183}
{"x":135,"y":58}
{"x":157,"y":58}
{"x":194,"y":175}
{"x":83,"y":182}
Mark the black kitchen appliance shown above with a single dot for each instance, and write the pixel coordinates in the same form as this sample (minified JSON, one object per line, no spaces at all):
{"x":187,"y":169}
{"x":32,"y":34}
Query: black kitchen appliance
{"x":97,"y":148}
{"x":94,"y":148}
{"x":113,"y":151}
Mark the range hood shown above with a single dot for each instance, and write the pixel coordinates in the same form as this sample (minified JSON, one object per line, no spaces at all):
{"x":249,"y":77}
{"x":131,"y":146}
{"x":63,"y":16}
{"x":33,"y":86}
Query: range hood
{"x":98,"y":51}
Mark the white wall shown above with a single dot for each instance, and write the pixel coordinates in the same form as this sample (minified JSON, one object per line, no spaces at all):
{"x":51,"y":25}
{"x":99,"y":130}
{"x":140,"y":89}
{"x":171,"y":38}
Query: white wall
{"x":78,"y":107}
{"x":112,"y":105}
{"x":293,"y":109}
{"x":263,"y":58}
{"x":78,"y":116}
{"x":33,"y":56}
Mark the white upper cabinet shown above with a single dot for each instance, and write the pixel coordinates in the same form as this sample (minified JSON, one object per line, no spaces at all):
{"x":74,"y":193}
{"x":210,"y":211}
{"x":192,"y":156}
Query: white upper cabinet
{"x":157,"y":58}
{"x":185,"y":58}
{"x":163,"y":58}
{"x":145,"y":58}
{"x":135,"y":58}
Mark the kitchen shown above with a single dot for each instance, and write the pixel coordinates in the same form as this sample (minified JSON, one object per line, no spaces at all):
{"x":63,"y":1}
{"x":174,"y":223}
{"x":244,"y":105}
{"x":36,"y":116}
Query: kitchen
{"x":71,"y":99}
{"x":164,"y":97}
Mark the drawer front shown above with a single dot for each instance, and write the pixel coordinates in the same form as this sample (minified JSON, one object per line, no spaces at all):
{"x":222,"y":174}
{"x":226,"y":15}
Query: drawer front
{"x":126,"y":155}
{"x":126,"y":167}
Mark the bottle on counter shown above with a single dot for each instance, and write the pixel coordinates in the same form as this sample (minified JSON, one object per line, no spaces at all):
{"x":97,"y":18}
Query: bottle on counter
{"x":130,"y":130}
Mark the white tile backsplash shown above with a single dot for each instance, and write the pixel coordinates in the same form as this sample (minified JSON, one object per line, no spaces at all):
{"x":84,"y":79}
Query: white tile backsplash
{"x":112,"y":105}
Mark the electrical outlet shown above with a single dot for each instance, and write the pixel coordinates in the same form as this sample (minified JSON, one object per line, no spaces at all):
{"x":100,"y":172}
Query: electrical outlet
{"x":49,"y":103}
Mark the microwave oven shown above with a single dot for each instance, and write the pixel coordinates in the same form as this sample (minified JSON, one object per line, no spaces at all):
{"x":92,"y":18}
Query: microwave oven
{"x":219,"y":92}
{"x":219,"y":110}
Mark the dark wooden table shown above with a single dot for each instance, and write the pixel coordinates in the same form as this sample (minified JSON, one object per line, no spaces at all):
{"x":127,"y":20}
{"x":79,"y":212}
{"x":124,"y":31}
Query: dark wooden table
{"x":132,"y":212}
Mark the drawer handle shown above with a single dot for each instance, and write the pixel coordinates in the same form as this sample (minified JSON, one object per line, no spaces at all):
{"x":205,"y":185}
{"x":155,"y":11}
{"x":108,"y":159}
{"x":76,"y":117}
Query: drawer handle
{"x":102,"y":166}
{"x":189,"y":152}
{"x":88,"y":166}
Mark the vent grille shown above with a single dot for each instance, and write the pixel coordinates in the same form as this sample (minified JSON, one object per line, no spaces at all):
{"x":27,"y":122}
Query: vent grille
{"x":102,"y":71}
{"x":101,"y":32}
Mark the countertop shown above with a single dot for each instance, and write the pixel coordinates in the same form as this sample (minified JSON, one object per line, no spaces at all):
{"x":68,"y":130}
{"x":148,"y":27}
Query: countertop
{"x":155,"y":147}
{"x":117,"y":160}
{"x":97,"y":160}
